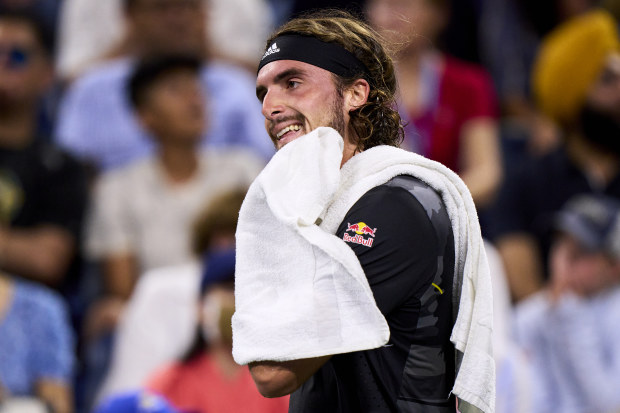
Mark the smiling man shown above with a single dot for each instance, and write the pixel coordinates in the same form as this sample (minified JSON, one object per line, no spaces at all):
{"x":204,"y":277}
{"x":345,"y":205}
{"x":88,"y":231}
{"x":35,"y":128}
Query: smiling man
{"x":305,"y":89}
{"x":330,"y":69}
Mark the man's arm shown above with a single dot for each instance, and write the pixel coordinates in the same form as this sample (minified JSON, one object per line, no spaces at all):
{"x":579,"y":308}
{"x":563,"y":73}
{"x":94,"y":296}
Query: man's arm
{"x":520,"y":255}
{"x":57,"y":394}
{"x":394,"y":266}
{"x":119,"y":274}
{"x":481,"y":159}
{"x":42,"y":253}
{"x":279,"y":378}
{"x":41,"y":244}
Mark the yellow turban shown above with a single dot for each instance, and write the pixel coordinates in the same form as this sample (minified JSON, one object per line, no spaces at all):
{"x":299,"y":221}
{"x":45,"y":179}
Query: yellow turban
{"x":569,"y":61}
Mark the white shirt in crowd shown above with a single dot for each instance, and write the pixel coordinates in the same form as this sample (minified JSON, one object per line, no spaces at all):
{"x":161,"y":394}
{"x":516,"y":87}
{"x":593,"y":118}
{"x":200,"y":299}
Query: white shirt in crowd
{"x":157,"y":327}
{"x":137,"y":210}
{"x":88,"y":29}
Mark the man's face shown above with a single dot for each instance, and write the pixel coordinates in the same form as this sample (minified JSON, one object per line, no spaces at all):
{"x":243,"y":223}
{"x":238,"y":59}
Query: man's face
{"x":600,"y":114}
{"x":297,"y":98}
{"x":217,"y":309}
{"x":579,"y":270}
{"x":169,"y":26}
{"x":25,"y":71}
{"x":605,"y":93}
{"x":174,"y":107}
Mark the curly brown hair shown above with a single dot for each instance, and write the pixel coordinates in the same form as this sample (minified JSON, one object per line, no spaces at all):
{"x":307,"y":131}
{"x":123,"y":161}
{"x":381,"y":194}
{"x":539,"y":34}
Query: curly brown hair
{"x":376,"y":122}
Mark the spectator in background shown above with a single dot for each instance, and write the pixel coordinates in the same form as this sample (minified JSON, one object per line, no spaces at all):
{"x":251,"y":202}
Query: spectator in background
{"x":95,"y":118}
{"x":510,"y":34}
{"x":570,"y":330}
{"x":160,"y":321}
{"x":207,"y":379}
{"x":576,"y":81}
{"x":142,"y":213}
{"x":162,"y":324}
{"x":43,"y":191}
{"x":92,"y":31}
{"x":45,"y":10}
{"x":89,"y":33}
{"x":46,"y":13}
{"x":448,"y":104}
{"x":36,"y":345}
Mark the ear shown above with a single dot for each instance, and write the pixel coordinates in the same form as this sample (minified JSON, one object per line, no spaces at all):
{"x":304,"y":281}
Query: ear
{"x":356,"y":95}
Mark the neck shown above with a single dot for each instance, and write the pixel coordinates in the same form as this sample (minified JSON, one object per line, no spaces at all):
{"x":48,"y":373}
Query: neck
{"x":349,"y":149}
{"x":17,"y":128}
{"x":600,"y":166}
{"x":222,"y":355}
{"x":180,"y":162}
{"x":348,"y":153}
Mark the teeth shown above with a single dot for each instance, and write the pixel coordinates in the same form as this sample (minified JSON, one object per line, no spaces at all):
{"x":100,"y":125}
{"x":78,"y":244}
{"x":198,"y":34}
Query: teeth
{"x":287,"y":129}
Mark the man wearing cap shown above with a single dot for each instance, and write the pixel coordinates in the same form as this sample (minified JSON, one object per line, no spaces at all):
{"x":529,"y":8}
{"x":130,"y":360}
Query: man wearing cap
{"x":330,"y":70}
{"x":570,"y":330}
{"x":576,"y":80}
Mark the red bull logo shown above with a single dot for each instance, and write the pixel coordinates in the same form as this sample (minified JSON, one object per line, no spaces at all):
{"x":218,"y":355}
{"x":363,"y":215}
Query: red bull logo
{"x":360,"y":229}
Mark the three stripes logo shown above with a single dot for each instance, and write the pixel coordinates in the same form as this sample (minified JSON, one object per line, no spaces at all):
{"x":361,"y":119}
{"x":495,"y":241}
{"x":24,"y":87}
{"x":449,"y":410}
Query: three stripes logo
{"x":272,"y":49}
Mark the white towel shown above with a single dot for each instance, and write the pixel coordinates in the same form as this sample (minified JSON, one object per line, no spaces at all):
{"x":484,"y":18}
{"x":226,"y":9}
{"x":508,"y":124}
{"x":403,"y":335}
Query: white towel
{"x":301,"y":291}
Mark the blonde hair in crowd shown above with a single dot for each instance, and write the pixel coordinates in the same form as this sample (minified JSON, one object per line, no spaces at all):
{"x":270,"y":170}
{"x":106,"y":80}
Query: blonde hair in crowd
{"x":377,"y":122}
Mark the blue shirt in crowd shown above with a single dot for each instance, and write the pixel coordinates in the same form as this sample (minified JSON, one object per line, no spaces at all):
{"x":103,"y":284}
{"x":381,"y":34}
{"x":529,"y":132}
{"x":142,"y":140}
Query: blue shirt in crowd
{"x":573,"y":346}
{"x":97,"y":122}
{"x":36,"y":340}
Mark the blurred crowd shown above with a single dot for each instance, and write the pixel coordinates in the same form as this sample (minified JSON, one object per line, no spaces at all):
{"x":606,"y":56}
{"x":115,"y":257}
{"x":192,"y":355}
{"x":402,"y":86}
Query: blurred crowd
{"x":130,"y":131}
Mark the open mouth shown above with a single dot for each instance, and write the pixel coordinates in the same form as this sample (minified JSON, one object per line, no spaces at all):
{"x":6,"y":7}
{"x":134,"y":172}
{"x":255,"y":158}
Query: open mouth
{"x":288,"y":134}
{"x":289,"y":130}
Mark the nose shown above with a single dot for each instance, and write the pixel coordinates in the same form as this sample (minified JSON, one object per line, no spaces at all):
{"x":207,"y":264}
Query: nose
{"x":272,"y":104}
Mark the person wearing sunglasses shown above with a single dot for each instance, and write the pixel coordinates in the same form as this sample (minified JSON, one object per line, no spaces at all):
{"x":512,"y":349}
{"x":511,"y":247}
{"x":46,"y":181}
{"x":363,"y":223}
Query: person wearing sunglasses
{"x":43,"y":190}
{"x":43,"y":194}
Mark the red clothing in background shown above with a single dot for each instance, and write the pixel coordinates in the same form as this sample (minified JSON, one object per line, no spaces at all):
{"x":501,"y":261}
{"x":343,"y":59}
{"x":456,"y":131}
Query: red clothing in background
{"x":465,"y":93}
{"x":199,"y":386}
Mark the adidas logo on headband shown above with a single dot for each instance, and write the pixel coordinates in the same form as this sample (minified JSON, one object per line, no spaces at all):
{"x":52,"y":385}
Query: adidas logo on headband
{"x":332,"y":57}
{"x":272,"y":49}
